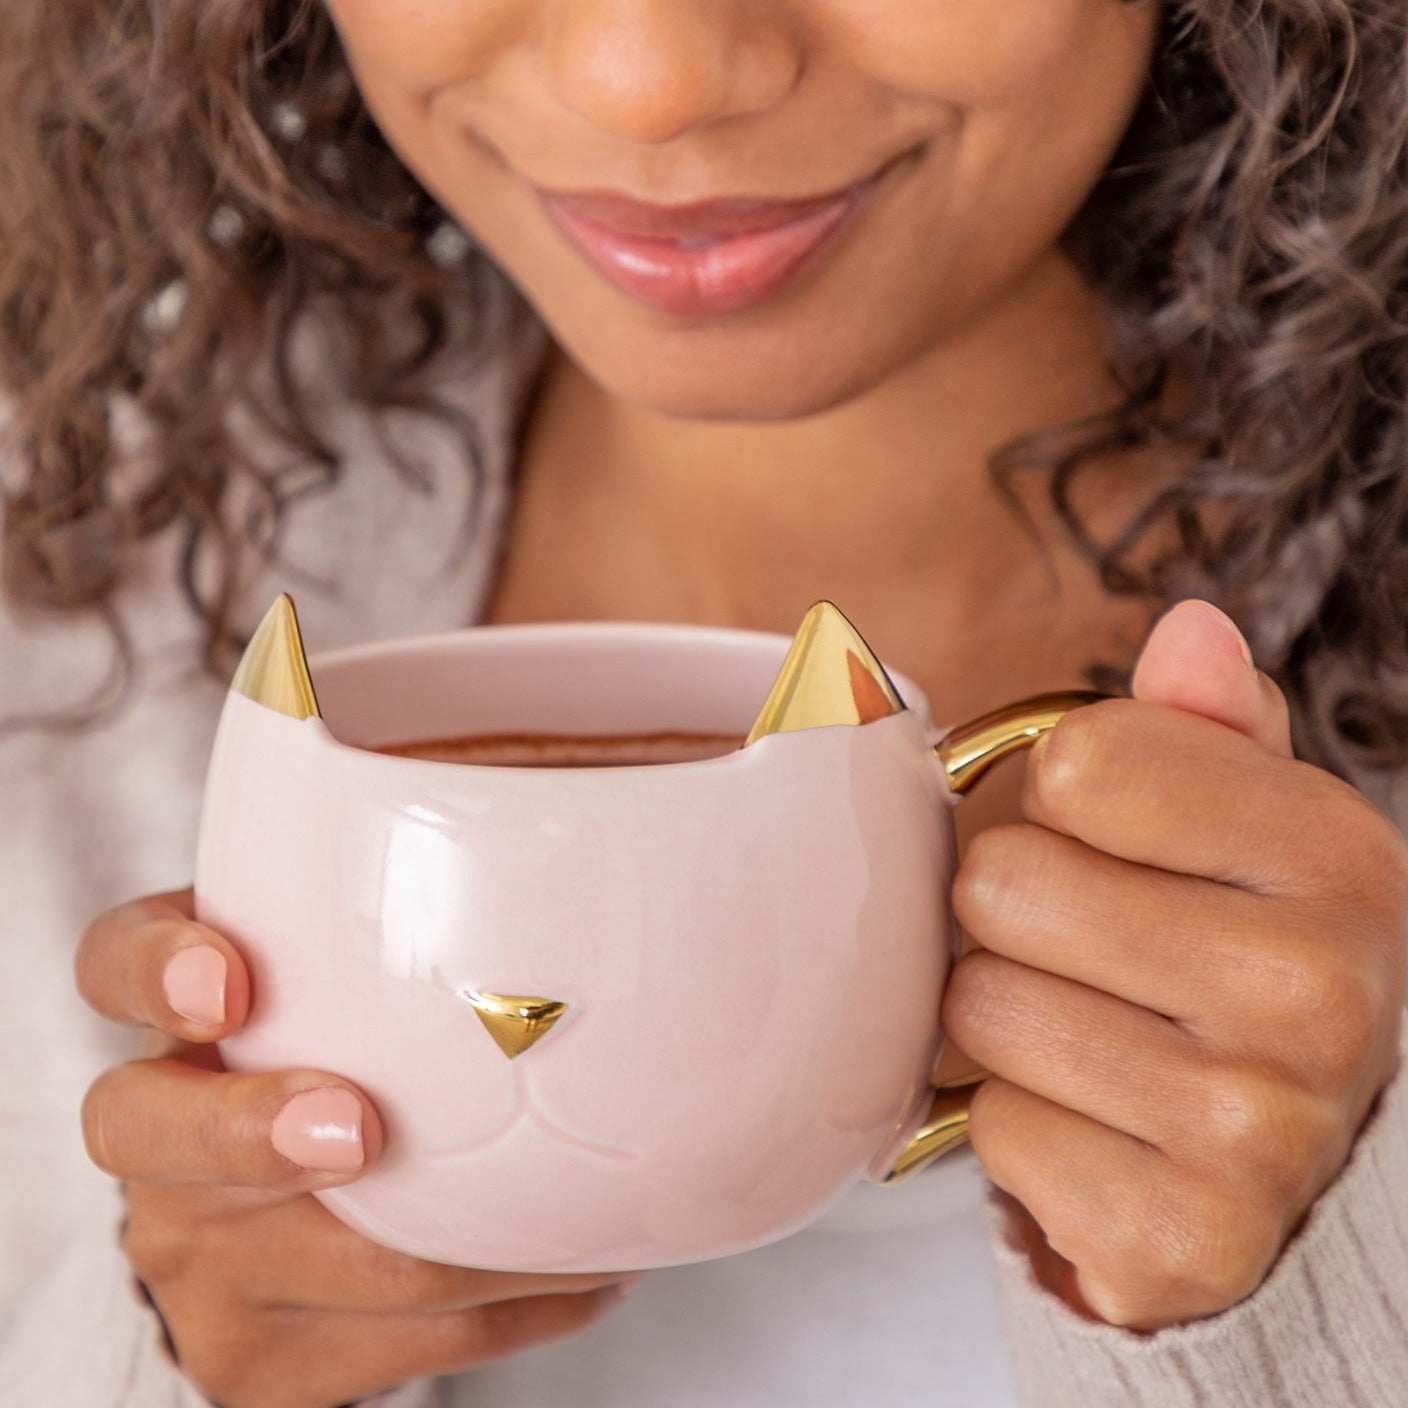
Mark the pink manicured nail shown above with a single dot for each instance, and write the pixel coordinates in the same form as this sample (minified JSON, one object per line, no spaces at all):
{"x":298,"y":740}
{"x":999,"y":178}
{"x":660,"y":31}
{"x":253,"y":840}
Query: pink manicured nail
{"x":194,"y":984}
{"x":321,"y":1130}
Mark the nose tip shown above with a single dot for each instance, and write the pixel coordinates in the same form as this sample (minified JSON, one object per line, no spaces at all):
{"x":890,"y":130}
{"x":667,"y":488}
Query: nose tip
{"x":650,"y":70}
{"x":515,"y":1023}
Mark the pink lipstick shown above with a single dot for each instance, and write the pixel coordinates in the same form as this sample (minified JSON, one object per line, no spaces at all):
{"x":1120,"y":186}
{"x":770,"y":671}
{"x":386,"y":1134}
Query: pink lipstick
{"x":706,"y":259}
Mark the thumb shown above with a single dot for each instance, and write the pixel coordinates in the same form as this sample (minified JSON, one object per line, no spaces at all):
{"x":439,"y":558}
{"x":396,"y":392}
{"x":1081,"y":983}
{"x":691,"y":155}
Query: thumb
{"x":1197,"y":660}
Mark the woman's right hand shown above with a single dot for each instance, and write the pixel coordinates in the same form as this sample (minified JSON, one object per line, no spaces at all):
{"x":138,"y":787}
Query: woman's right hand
{"x":268,"y":1300}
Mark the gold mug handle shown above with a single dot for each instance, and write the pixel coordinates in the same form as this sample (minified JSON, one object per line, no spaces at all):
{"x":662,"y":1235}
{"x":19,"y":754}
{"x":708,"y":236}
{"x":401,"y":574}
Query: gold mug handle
{"x":966,"y":755}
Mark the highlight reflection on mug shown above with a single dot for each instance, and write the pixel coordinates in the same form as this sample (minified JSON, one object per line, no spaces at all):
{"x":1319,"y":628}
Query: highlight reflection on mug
{"x":516,"y":1024}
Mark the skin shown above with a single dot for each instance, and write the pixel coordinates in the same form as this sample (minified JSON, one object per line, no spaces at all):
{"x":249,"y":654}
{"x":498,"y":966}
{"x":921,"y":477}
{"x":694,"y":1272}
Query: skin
{"x":1191,"y":970}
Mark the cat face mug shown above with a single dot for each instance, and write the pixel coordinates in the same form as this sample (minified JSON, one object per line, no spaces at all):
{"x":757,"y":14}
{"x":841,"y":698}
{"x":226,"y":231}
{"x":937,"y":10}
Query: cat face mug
{"x":619,"y":1013}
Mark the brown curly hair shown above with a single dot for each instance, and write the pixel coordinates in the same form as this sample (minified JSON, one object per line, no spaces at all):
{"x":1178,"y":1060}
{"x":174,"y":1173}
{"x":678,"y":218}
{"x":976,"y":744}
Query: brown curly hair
{"x":175,"y":197}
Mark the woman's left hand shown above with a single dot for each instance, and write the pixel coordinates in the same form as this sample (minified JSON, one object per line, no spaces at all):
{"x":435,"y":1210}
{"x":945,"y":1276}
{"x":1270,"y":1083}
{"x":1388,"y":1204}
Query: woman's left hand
{"x":1190,"y":987}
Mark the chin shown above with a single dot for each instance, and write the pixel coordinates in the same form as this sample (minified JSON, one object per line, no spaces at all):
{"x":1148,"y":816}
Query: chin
{"x":698,"y":378}
{"x":738,"y":399}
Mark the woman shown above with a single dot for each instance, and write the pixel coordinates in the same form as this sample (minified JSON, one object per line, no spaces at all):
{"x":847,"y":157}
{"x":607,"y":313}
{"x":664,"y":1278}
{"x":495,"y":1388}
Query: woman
{"x":1003,"y":325}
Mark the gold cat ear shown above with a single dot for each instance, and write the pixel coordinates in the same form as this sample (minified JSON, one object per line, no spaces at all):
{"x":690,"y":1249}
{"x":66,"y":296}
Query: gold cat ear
{"x":830,"y":676}
{"x":274,"y":671}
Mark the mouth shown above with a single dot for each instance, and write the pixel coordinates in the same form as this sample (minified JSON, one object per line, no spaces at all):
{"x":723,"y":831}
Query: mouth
{"x":711,"y":257}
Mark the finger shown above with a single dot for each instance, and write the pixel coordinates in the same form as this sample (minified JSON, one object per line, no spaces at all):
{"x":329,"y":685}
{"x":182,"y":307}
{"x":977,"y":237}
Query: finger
{"x":337,"y":1269}
{"x":460,"y":1340}
{"x":508,"y":1327}
{"x":347,"y":1358}
{"x":1197,"y":660}
{"x":1179,"y":945}
{"x":1092,"y":1053}
{"x":1210,"y":957}
{"x":164,"y":1122}
{"x":1150,"y":1246}
{"x":1169,"y":789}
{"x":150,"y":963}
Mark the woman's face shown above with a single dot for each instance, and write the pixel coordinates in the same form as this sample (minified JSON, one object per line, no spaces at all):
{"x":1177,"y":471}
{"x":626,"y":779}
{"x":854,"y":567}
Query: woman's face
{"x":754,"y":209}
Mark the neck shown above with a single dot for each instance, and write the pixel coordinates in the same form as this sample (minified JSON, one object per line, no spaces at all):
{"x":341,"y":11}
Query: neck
{"x":888,"y":496}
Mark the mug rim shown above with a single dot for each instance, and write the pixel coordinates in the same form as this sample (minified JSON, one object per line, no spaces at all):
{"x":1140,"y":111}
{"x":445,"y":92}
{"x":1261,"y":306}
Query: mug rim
{"x":665,"y":633}
{"x":349,"y":655}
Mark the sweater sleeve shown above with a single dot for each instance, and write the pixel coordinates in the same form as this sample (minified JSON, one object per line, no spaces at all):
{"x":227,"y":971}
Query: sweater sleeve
{"x":1325,"y":1328}
{"x":87,"y":1338}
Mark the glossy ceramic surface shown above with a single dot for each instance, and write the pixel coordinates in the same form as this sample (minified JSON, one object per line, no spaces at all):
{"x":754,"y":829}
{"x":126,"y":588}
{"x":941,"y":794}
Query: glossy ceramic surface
{"x":749,"y":951}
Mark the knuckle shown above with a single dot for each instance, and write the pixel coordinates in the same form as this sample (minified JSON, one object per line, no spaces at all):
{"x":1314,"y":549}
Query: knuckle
{"x":1367,"y":859}
{"x":1260,"y":1134}
{"x":1194,"y":1251}
{"x":1375,"y":839}
{"x":1238,"y":1123}
{"x":1320,"y":1004}
{"x":1328,"y":1007}
{"x":1132,"y":1241}
{"x":1215,"y":1250}
{"x":1343,"y":1012}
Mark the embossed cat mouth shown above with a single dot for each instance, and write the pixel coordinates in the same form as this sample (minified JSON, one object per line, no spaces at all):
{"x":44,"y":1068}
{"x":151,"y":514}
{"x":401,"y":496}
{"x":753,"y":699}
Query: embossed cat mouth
{"x":517,"y":1023}
{"x":529,"y":1114}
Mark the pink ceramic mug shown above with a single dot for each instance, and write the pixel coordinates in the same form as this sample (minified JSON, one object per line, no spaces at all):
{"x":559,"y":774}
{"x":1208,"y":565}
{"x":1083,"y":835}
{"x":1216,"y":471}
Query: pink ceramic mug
{"x":613,"y":1018}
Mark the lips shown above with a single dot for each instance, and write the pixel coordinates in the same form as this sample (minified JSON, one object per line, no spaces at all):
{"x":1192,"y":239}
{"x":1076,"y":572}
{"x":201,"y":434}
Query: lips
{"x":705,"y":259}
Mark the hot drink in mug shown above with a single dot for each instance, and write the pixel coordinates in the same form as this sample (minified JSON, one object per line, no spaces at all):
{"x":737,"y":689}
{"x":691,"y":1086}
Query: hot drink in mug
{"x":616,"y":1012}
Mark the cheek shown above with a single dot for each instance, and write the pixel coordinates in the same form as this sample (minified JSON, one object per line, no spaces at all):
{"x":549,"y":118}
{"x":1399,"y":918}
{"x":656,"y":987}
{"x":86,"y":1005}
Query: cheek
{"x":974,"y":54}
{"x":406,"y":49}
{"x":962,"y":52}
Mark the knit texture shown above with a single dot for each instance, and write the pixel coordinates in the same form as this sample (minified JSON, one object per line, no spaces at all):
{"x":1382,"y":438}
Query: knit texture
{"x":1328,"y":1328}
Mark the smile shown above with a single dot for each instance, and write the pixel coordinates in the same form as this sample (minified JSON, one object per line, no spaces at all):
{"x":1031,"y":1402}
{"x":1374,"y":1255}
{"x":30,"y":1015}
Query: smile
{"x":705,"y":259}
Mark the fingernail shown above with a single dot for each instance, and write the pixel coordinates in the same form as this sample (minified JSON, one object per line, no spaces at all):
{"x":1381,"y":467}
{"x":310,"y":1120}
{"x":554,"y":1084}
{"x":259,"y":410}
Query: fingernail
{"x":321,"y":1130}
{"x":194,"y":984}
{"x":1230,"y":629}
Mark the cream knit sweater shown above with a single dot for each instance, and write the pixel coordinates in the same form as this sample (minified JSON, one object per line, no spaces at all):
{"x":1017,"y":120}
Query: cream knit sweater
{"x":903,"y":1307}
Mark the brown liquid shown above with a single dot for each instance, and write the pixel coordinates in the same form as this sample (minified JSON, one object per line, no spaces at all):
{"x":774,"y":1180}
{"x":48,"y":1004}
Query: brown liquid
{"x":552,"y":750}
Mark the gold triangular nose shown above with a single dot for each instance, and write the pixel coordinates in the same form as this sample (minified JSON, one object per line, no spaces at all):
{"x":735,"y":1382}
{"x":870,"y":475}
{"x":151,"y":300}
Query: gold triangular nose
{"x":515,"y":1023}
{"x":274,"y":670}
{"x":830,"y":676}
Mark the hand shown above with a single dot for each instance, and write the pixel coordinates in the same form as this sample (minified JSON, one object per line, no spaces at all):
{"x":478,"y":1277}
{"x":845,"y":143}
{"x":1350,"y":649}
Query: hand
{"x":269,"y":1300}
{"x":1191,"y":990}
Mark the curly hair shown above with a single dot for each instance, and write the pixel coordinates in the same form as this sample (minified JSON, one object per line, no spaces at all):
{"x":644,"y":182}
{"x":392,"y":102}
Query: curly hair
{"x":175,"y":197}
